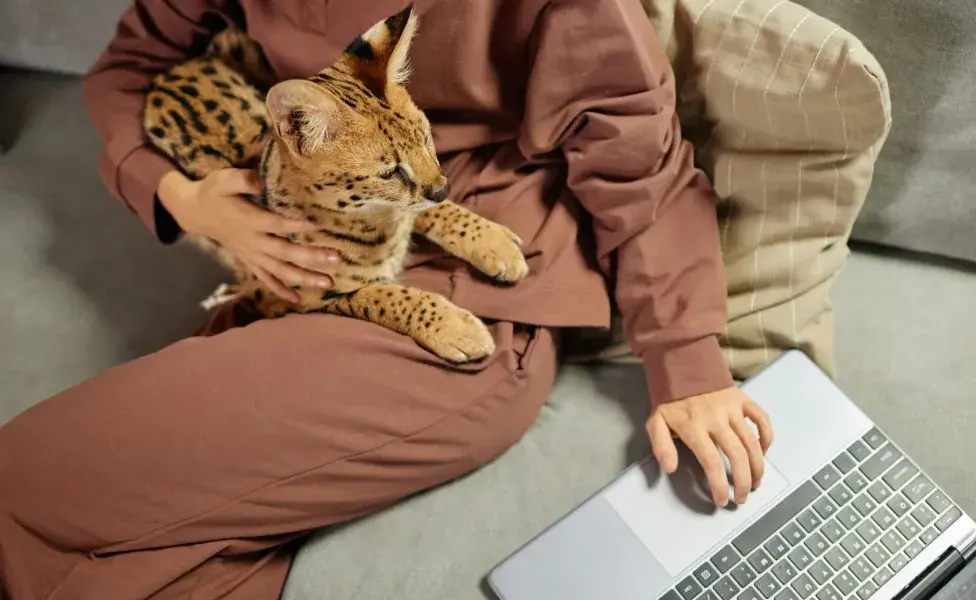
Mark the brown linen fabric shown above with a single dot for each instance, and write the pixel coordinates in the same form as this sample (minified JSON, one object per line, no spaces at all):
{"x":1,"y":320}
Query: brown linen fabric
{"x":788,"y":112}
{"x":555,"y":119}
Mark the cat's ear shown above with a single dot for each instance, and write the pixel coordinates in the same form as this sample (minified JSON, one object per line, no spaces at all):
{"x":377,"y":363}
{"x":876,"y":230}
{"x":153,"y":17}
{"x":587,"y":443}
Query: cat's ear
{"x":304,"y":115}
{"x":379,"y":57}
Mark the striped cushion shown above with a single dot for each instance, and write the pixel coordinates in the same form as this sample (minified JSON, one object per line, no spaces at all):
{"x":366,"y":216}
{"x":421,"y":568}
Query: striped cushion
{"x":788,"y":112}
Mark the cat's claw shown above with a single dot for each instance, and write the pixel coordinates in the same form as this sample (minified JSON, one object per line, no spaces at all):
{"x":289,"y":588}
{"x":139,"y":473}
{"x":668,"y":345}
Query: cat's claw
{"x":222,"y":295}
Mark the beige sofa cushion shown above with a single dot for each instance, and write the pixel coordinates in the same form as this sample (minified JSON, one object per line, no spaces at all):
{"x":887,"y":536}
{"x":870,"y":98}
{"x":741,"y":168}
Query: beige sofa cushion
{"x":788,"y":112}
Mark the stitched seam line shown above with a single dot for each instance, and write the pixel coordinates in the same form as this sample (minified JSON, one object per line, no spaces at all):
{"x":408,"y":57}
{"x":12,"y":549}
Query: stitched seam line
{"x":171,"y":526}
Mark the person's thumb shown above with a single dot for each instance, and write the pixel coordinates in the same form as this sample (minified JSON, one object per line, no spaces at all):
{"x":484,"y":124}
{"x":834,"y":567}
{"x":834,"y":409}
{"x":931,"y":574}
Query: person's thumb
{"x":239,"y":182}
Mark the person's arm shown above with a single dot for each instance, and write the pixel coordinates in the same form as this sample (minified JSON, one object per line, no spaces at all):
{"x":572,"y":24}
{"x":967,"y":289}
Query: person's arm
{"x":152,"y":36}
{"x":602,"y":92}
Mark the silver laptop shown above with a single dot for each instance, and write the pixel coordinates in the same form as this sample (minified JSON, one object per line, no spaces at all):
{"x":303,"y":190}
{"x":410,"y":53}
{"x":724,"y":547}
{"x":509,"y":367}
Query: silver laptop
{"x":842,"y":512}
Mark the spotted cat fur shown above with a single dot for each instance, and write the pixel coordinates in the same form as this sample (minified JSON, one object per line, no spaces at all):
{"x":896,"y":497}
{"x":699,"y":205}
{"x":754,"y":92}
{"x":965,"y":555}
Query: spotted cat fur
{"x":346,"y":149}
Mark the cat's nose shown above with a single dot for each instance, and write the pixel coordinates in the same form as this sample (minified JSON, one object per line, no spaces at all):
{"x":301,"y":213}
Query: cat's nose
{"x":438,"y":193}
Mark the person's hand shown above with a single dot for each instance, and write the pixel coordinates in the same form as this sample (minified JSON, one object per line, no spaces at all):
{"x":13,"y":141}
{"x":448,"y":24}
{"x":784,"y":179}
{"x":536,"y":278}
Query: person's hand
{"x":215,"y":207}
{"x":710,"y":420}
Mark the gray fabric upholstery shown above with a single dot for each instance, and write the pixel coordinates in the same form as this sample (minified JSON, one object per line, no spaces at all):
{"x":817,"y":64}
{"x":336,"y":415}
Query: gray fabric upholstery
{"x":83,"y":287}
{"x":922,"y":197}
{"x":56,"y":35}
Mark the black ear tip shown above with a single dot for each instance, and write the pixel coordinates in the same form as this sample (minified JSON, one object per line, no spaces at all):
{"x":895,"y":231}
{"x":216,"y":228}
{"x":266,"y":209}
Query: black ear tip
{"x":398,"y":22}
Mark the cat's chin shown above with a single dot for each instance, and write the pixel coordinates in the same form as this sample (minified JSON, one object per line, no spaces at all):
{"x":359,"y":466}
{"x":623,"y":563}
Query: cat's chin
{"x":416,"y":208}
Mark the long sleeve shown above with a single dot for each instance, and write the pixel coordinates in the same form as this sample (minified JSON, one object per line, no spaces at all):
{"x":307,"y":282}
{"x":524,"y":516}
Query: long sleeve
{"x":152,"y":36}
{"x":602,"y":92}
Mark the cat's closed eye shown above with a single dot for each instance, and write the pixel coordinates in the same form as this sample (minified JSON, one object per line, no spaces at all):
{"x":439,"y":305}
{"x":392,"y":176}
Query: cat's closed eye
{"x":397,"y":171}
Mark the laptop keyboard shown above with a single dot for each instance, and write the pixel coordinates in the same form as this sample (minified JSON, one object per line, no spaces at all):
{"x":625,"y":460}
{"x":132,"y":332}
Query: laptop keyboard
{"x":841,"y":534}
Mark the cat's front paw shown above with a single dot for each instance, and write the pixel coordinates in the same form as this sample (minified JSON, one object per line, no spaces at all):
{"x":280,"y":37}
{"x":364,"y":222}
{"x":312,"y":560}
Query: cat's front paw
{"x":497,"y":252}
{"x":457,"y":336}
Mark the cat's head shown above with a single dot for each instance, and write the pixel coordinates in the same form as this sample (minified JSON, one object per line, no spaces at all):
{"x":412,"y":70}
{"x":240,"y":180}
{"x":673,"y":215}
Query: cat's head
{"x":351,"y":138}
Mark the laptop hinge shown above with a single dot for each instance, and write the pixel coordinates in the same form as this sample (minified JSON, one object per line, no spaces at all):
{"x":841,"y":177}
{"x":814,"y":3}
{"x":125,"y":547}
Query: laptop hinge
{"x":967,"y":546}
{"x":934,"y":577}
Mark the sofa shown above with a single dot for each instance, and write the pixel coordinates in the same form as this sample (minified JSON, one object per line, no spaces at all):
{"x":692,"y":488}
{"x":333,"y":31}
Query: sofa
{"x":84,"y":288}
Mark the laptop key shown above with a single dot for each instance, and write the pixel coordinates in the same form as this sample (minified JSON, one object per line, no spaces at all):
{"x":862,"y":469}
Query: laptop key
{"x":816,"y":544}
{"x":877,"y":555}
{"x":923,"y":514}
{"x":689,"y":588}
{"x":840,"y":494}
{"x":760,"y":561}
{"x":893,"y":541}
{"x":786,"y":594}
{"x":861,"y":568}
{"x":880,"y":492}
{"x":874,"y":438}
{"x":948,"y":519}
{"x":884,"y":518}
{"x":882,"y":576}
{"x":827,"y":477}
{"x":776,"y":548}
{"x":928,"y":536}
{"x":898,"y":562}
{"x":768,"y":586}
{"x":938,"y":502}
{"x":846,"y":583}
{"x":852,"y":544}
{"x":709,"y":595}
{"x":864,"y":505}
{"x":899,"y":505}
{"x":848,"y":518}
{"x":912,"y":550}
{"x":743,"y":574}
{"x":784,"y":571}
{"x":706,"y":574}
{"x":821,"y":572}
{"x":809,"y":519}
{"x":908,"y":528}
{"x":868,"y":531}
{"x":856,"y":482}
{"x":900,"y":474}
{"x":725,"y":559}
{"x":793,"y":534}
{"x":859,"y":451}
{"x":726,"y":588}
{"x":832,"y":531}
{"x":836,"y":558}
{"x":867,"y":590}
{"x":803,"y":586}
{"x":769,"y":523}
{"x":670,"y":595}
{"x":828,"y":592}
{"x":749,"y":594}
{"x":800,"y":558}
{"x":880,"y":461}
{"x":918,"y":489}
{"x":825,"y":507}
{"x":844,"y":462}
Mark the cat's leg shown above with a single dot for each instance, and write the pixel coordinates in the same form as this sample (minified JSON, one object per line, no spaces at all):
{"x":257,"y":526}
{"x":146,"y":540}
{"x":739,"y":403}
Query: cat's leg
{"x":492,"y":248}
{"x":431,"y":320}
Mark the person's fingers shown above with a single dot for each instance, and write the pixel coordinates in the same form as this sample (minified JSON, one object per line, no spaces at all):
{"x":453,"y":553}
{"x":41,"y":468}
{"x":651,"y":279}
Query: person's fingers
{"x":758,"y":416}
{"x":701,"y":445}
{"x":273,"y":284}
{"x":662,"y":444}
{"x":233,"y":182}
{"x":263,"y":220}
{"x":751,"y":443}
{"x":308,"y":257}
{"x":733,"y":448}
{"x":292,"y":275}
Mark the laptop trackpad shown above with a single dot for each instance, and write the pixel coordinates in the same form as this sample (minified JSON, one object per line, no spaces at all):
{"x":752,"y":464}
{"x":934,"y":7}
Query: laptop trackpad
{"x":675,"y":518}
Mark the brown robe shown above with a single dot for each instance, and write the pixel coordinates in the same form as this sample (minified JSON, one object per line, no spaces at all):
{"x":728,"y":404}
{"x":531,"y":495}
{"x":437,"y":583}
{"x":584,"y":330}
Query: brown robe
{"x":559,"y":123}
